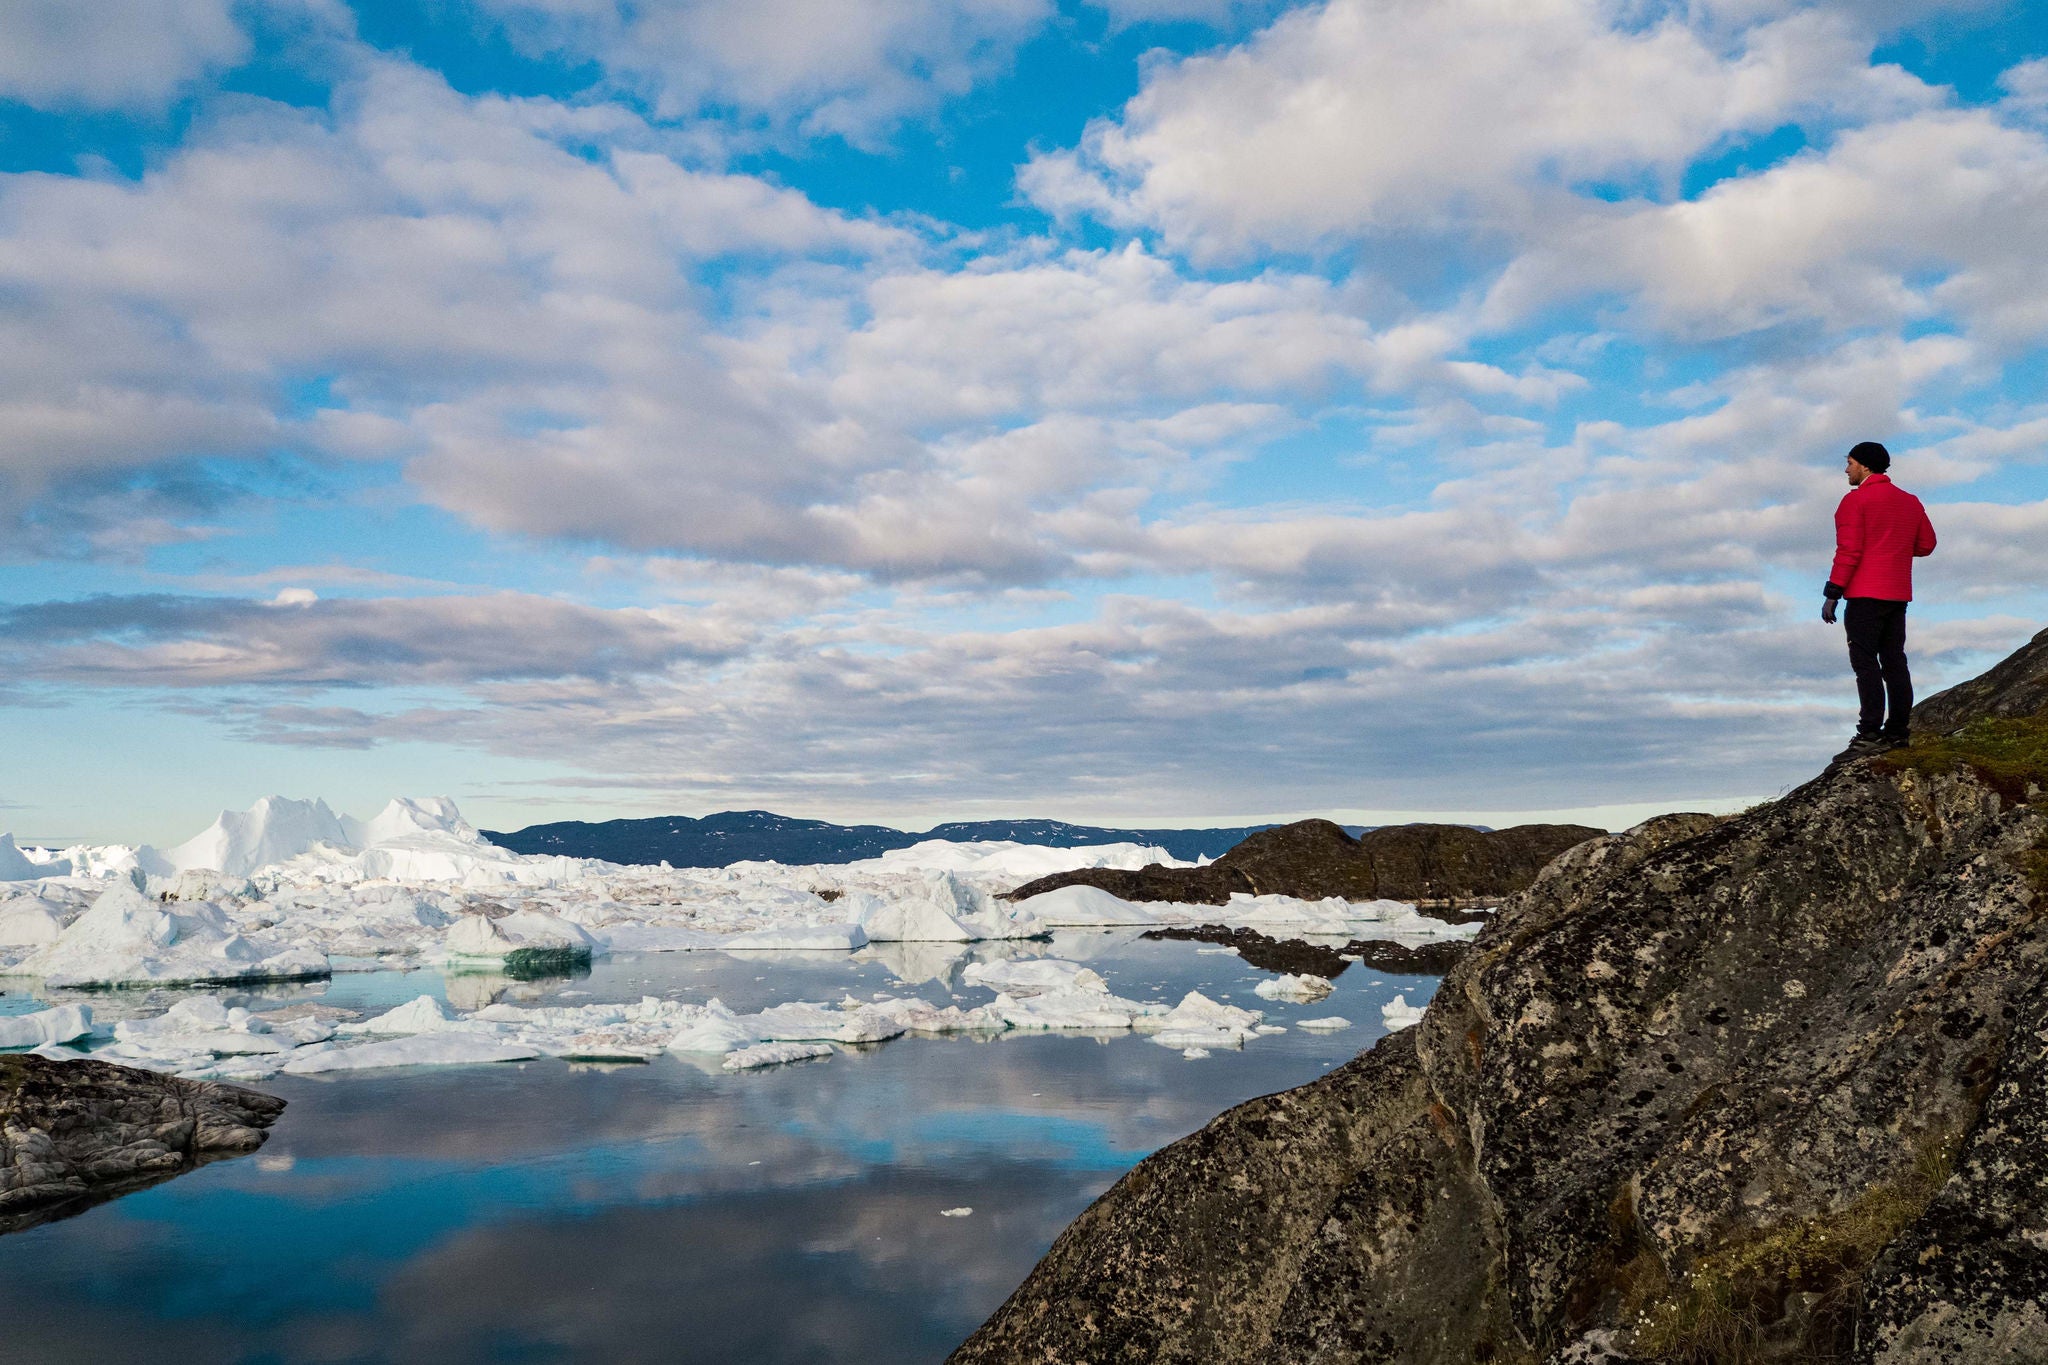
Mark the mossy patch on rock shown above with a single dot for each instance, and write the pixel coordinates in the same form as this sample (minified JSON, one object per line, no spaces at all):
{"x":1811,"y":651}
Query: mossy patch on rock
{"x":1730,"y":1307}
{"x":2008,"y":754}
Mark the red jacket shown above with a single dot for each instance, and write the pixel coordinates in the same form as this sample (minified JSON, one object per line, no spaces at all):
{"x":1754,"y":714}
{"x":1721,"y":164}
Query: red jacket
{"x":1880,"y":529}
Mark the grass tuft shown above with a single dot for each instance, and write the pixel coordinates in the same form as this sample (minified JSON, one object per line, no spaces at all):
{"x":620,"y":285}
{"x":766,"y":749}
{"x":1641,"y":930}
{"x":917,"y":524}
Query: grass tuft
{"x":1738,"y":1303}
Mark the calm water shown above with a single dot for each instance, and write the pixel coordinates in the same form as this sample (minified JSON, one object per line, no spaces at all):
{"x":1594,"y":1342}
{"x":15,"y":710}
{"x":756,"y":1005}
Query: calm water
{"x":549,"y":1211}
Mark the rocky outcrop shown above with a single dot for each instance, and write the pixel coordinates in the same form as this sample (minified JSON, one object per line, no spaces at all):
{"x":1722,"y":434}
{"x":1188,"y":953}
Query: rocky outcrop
{"x":1314,"y":858}
{"x":2017,"y":687}
{"x":1770,"y":1088}
{"x":74,"y":1132}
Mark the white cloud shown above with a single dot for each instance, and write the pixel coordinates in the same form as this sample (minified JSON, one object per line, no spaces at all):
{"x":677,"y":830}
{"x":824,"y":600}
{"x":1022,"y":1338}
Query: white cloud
{"x":299,"y":641}
{"x":1359,"y":116}
{"x":851,"y":68}
{"x":454,"y":279}
{"x":121,"y":54}
{"x":1920,"y":218}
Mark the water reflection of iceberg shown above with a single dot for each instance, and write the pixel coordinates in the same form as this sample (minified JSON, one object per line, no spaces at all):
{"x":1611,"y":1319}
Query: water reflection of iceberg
{"x":914,"y":964}
{"x":473,"y":990}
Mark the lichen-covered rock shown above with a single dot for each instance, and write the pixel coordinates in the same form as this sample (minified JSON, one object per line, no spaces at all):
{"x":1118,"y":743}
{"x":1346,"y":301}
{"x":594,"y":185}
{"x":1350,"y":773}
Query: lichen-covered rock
{"x":76,"y":1130}
{"x":1764,"y":1088}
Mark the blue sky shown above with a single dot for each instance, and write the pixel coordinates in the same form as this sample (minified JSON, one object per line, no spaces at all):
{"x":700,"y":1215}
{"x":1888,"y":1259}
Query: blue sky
{"x":1121,"y":410}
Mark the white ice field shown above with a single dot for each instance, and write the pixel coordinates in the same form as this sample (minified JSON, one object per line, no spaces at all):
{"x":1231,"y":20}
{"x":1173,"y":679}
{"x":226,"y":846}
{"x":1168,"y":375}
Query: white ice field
{"x":288,"y":890}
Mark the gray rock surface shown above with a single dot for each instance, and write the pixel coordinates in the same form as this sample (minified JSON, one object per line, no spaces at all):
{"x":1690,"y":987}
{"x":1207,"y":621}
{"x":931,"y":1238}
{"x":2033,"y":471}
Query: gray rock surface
{"x":2018,"y":686}
{"x":77,"y":1131}
{"x":1766,"y":1088}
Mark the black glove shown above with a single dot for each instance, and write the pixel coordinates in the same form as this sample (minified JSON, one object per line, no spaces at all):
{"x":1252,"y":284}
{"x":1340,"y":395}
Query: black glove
{"x":1827,"y":609}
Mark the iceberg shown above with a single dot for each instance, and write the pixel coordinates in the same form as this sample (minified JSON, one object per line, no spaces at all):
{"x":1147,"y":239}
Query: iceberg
{"x":1327,"y":1024}
{"x":519,"y":939}
{"x":271,"y":831}
{"x":941,"y":906}
{"x":1082,"y":906}
{"x":128,"y":938}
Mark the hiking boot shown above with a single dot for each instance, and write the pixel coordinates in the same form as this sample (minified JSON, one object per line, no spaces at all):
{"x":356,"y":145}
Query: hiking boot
{"x":1891,"y":742}
{"x":1863,"y":746}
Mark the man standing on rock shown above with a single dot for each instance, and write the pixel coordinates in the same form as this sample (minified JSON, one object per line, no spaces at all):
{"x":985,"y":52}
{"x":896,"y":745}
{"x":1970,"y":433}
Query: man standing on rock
{"x":1880,"y":529}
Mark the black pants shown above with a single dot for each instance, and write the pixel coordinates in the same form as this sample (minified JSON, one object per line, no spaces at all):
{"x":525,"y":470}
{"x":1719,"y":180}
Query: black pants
{"x":1877,"y":651}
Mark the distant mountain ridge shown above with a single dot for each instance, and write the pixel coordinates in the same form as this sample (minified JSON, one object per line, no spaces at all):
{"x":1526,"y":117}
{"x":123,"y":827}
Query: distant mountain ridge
{"x":738,"y":835}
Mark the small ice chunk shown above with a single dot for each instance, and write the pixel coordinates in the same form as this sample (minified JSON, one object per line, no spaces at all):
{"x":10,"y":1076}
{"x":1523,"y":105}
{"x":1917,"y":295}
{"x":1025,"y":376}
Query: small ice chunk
{"x":1328,"y":1024}
{"x":773,"y":1054}
{"x":1194,"y":1054}
{"x":960,"y":1212}
{"x":59,"y":1025}
{"x":1398,"y":1014}
{"x":423,"y":1015}
{"x":1292,"y":987}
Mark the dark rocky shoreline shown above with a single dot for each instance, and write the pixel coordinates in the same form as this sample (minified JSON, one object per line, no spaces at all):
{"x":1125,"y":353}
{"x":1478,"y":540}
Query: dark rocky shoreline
{"x":1769,"y":1088}
{"x":76,"y":1133}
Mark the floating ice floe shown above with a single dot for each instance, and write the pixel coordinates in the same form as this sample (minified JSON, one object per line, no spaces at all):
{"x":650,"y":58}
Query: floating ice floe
{"x":1291,"y":987}
{"x":424,"y":1049}
{"x":59,"y":1025}
{"x":1399,"y":1014}
{"x":1199,"y":1022}
{"x":201,"y":1036}
{"x":773,"y":1054}
{"x":1328,"y":1024}
{"x":293,"y":889}
{"x":1033,"y":976}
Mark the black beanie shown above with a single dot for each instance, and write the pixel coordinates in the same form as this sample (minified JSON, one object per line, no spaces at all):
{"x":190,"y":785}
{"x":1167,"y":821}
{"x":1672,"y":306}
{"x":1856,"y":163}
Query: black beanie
{"x":1871,"y":456}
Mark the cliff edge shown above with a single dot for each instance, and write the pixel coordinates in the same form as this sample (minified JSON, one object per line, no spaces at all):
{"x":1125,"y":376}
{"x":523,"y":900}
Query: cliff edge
{"x":1770,"y":1088}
